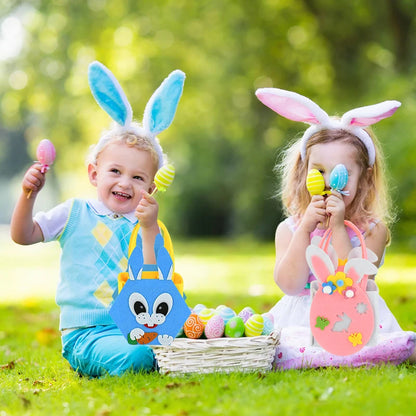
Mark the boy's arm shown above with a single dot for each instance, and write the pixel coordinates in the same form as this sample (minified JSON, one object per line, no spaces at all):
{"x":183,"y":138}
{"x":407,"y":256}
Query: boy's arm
{"x":147,"y":212}
{"x":23,"y":229}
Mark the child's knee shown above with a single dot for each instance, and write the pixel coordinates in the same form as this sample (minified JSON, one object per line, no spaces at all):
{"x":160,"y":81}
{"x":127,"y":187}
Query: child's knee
{"x":137,"y":359}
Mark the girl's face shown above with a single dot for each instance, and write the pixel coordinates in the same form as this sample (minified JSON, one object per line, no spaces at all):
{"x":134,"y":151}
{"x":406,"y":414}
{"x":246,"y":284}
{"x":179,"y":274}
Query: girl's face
{"x":120,"y":174}
{"x":325,"y":156}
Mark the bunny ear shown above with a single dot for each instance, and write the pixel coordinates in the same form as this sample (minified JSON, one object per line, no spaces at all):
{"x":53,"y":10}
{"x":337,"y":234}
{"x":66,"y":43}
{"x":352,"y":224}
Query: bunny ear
{"x":160,"y":109}
{"x":356,"y":268}
{"x":319,"y":262}
{"x":371,"y":114}
{"x":292,"y":106}
{"x":356,"y":252}
{"x":164,"y":264}
{"x":109,"y":94}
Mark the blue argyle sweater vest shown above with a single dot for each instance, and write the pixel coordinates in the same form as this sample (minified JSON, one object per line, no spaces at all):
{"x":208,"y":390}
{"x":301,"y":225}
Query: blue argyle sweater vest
{"x":94,"y":252}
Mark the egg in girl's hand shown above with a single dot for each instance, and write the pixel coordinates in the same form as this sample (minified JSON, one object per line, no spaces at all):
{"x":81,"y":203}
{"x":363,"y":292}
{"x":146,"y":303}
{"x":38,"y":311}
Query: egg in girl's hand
{"x":193,"y":327}
{"x":206,"y":314}
{"x":234,"y":327}
{"x":214,"y":327}
{"x":225,"y":312}
{"x":254,"y":325}
{"x":246,"y":313}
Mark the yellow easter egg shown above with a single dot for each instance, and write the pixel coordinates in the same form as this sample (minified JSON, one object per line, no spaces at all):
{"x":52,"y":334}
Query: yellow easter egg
{"x":315,"y":182}
{"x":164,"y":177}
{"x":254,"y":325}
{"x":206,"y":314}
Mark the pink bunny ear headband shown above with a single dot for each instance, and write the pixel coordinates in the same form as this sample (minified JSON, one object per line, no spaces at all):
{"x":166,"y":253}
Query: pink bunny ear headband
{"x":296,"y":107}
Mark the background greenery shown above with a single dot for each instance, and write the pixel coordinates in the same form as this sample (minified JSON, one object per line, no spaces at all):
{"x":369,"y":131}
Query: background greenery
{"x":223,"y":142}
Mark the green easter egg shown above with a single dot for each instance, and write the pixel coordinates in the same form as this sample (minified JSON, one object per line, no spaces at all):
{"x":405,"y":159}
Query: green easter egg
{"x":234,"y":328}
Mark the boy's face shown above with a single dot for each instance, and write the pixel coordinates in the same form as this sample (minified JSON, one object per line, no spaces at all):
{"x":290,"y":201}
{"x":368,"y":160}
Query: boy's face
{"x":120,"y":174}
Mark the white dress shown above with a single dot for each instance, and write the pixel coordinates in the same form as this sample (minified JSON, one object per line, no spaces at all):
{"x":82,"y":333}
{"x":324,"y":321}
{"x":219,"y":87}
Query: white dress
{"x":291,"y":315}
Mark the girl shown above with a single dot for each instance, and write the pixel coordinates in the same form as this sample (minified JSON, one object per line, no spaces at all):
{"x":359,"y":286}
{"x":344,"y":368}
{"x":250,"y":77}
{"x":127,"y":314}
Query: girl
{"x":325,"y":144}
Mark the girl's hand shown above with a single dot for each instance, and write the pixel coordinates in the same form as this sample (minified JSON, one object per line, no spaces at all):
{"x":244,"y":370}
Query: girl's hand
{"x":314,"y":214}
{"x":33,"y":180}
{"x":335,"y":209}
{"x":147,"y":211}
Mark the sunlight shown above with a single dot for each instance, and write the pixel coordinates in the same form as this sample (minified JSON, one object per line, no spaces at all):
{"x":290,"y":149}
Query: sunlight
{"x":11,"y":38}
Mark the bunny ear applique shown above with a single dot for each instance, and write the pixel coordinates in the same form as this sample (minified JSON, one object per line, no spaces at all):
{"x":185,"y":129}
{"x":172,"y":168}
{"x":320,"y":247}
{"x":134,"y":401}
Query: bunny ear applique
{"x":109,"y":94}
{"x":292,"y":106}
{"x":371,"y":114}
{"x":161,"y":108}
{"x":319,"y":262}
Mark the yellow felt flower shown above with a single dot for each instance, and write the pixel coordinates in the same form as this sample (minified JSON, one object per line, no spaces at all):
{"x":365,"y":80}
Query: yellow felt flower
{"x":340,"y":280}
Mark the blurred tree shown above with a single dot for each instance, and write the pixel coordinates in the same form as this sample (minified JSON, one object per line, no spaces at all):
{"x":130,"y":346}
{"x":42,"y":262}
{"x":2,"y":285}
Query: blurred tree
{"x":223,"y":142}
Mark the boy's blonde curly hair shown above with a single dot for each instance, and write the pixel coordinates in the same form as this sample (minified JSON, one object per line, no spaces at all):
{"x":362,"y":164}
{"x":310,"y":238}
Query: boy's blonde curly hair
{"x":130,"y":137}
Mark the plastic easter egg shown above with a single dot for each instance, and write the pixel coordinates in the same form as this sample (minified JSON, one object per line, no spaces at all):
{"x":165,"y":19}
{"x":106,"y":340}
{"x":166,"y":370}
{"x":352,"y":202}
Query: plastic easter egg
{"x":164,"y":177}
{"x":254,"y":326}
{"x":198,"y":308}
{"x":226,"y":313}
{"x":214,"y":327}
{"x":268,"y":324}
{"x":46,"y":152}
{"x":315,"y":182}
{"x":206,"y":314}
{"x":269,"y":316}
{"x":339,"y":177}
{"x":234,"y":328}
{"x":246,"y":313}
{"x":193,"y":327}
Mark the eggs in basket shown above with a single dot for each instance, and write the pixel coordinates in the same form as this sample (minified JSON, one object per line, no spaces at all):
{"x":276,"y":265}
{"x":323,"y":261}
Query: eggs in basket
{"x":224,"y":322}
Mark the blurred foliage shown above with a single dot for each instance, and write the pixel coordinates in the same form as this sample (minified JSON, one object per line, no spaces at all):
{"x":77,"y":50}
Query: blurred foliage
{"x":223,"y":142}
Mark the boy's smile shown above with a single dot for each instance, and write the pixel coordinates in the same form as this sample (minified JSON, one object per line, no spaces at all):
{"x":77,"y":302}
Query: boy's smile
{"x":121,"y":173}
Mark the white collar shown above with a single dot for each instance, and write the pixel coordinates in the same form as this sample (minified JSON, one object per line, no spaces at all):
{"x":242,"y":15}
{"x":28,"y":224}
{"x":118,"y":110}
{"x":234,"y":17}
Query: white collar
{"x":101,"y":209}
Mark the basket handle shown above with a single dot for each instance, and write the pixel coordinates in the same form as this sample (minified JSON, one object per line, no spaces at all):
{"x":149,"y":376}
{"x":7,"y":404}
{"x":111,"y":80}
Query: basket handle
{"x":328,"y":234}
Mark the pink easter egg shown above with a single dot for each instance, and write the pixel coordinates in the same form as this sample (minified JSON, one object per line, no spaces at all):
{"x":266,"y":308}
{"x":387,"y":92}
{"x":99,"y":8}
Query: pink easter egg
{"x":215,"y":327}
{"x":46,"y":152}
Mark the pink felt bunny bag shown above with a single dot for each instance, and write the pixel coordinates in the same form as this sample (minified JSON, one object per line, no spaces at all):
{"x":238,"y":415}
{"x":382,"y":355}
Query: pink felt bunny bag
{"x":342,"y":318}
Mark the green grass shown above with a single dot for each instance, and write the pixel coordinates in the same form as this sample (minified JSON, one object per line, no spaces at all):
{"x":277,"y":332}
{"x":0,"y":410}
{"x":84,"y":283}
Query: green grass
{"x":36,"y":380}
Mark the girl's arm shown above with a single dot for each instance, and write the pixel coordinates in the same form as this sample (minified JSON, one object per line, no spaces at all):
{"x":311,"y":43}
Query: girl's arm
{"x":291,"y":269}
{"x":376,"y":241}
{"x":23,"y":229}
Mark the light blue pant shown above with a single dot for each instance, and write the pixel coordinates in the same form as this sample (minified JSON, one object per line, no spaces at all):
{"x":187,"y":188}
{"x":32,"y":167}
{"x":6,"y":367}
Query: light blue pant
{"x":104,"y":350}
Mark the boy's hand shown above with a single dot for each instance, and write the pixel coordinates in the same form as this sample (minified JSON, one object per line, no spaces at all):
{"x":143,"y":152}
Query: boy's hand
{"x":147,"y":210}
{"x":33,"y":180}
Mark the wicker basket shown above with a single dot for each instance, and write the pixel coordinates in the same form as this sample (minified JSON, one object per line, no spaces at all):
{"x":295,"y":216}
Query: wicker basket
{"x":225,"y":355}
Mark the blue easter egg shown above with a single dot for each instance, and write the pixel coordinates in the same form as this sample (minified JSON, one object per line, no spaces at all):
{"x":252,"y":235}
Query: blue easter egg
{"x":268,"y":324}
{"x":198,"y":308}
{"x":339,"y":177}
{"x":226,"y":313}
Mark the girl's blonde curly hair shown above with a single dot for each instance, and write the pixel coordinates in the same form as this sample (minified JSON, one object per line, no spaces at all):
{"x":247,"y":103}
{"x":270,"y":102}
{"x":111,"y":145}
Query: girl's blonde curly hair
{"x":372,"y":201}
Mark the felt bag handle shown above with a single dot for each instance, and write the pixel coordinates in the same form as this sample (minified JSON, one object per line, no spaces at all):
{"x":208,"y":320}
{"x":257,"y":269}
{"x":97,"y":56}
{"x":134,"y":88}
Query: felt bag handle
{"x":327,"y":237}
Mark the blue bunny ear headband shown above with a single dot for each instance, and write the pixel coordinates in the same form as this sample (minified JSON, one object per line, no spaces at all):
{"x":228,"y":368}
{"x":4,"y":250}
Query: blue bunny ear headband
{"x":158,"y":114}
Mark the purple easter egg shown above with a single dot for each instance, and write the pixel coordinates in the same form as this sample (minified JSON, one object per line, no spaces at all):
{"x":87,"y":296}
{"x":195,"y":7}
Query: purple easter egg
{"x":246,"y":313}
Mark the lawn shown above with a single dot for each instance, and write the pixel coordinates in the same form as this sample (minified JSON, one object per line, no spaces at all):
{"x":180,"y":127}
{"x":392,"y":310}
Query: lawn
{"x":36,"y":380}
